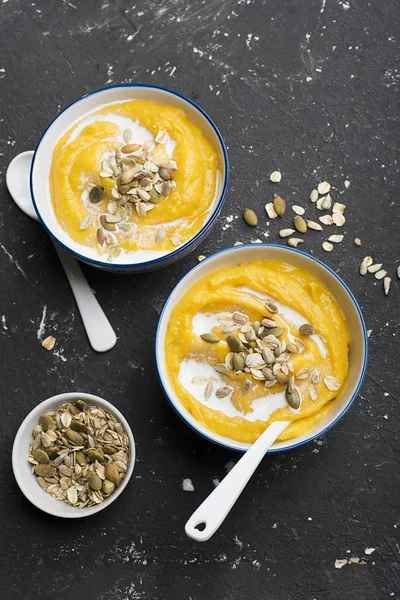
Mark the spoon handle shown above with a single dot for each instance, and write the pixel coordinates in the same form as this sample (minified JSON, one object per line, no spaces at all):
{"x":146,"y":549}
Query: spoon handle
{"x":99,"y":331}
{"x":215,"y":508}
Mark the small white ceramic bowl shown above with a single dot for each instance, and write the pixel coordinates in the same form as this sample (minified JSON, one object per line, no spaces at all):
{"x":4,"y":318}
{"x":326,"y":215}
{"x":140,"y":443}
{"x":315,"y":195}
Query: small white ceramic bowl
{"x":22,"y":468}
{"x":39,"y":178}
{"x":245,"y":254}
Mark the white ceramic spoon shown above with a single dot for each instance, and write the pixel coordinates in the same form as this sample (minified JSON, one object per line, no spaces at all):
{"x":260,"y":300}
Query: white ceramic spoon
{"x":99,"y":331}
{"x":215,"y":508}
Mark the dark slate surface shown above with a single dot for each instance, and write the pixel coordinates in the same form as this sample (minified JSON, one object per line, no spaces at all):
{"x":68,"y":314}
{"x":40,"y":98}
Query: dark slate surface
{"x":307,"y":86}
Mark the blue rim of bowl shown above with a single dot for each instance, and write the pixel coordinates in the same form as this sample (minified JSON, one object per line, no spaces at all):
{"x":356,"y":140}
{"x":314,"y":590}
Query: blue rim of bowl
{"x":360,"y":380}
{"x":169,"y":255}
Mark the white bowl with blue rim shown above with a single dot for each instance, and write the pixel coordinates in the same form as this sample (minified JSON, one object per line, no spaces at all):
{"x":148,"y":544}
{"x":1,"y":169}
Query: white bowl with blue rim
{"x":358,"y":351}
{"x":41,"y":163}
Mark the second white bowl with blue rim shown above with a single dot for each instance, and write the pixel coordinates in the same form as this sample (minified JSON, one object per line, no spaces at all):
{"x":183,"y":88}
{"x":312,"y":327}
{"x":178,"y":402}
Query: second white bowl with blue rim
{"x":245,"y":254}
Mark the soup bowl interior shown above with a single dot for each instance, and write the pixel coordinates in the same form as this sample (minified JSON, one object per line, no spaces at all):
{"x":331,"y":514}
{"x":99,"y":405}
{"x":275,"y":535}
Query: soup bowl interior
{"x":245,"y":254}
{"x":40,"y":171}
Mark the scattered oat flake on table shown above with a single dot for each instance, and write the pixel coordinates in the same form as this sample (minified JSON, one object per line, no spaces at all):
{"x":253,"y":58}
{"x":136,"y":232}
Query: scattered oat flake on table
{"x":200,"y":257}
{"x":340,"y":563}
{"x":338,"y":219}
{"x":324,"y":187}
{"x":314,"y":196}
{"x":374,"y":268}
{"x":369,"y":331}
{"x":326,"y":219}
{"x":49,"y":342}
{"x":338,"y":207}
{"x":275,"y":176}
{"x":369,"y":550}
{"x":238,"y":243}
{"x":187,"y":485}
{"x":357,"y":242}
{"x":269,"y":209}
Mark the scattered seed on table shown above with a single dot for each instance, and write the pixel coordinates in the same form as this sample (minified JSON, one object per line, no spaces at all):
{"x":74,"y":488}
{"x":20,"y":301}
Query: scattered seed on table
{"x":299,"y":210}
{"x":324,"y":187}
{"x":286,"y":233}
{"x":374,"y":268}
{"x":337,"y":238}
{"x":398,"y":271}
{"x":294,"y":242}
{"x":326,"y":219}
{"x":269,"y":209}
{"x":327,"y":246}
{"x":314,"y":196}
{"x":357,"y":242}
{"x":386,"y":284}
{"x":365,"y":263}
{"x":381,"y":274}
{"x":314,"y":225}
{"x":250,"y":217}
{"x":338,"y":207}
{"x":300,"y":224}
{"x":338,"y":219}
{"x":279,"y":206}
{"x":201,"y":257}
{"x":275,"y":176}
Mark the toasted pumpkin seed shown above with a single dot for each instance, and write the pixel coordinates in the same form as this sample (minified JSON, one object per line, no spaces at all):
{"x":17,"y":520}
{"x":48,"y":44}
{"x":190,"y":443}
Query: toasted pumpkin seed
{"x":250,"y":217}
{"x":238,"y":361}
{"x":300,"y":224}
{"x":307,"y":329}
{"x":46,"y":421}
{"x":211,"y":338}
{"x":94,"y":481}
{"x":41,"y":456}
{"x":293,"y":398}
{"x":106,"y":225}
{"x":75,"y":437}
{"x":234,"y":343}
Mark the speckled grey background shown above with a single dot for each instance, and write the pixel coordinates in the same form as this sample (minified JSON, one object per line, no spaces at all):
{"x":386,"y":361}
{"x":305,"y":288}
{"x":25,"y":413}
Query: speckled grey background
{"x":307,"y":86}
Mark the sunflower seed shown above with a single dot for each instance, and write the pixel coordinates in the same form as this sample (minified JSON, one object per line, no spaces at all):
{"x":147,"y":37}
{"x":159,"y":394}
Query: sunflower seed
{"x":246,"y":386}
{"x":386,"y":285}
{"x":315,"y":376}
{"x":323,"y":188}
{"x":106,"y":173}
{"x":221,"y":368}
{"x":299,"y":210}
{"x":357,"y":241}
{"x":268,"y":323}
{"x":269,"y":209}
{"x":337,"y":238}
{"x":326,"y":220}
{"x":223,"y":392}
{"x":374,"y":268}
{"x":294,"y":242}
{"x":302,"y":373}
{"x":286,"y":233}
{"x":314,"y":225}
{"x":314,"y":196}
{"x":208,"y":390}
{"x":128,"y":148}
{"x":332,"y":383}
{"x":240,"y":318}
{"x":275,"y":176}
{"x":366,"y":262}
{"x":49,"y":342}
{"x":381,"y":274}
{"x":327,"y":246}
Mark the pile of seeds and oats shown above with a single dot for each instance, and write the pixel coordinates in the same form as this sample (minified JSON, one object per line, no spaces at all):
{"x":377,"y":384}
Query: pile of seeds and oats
{"x":141,"y":180}
{"x":79,"y":453}
{"x":255,"y":349}
{"x":321,"y":197}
